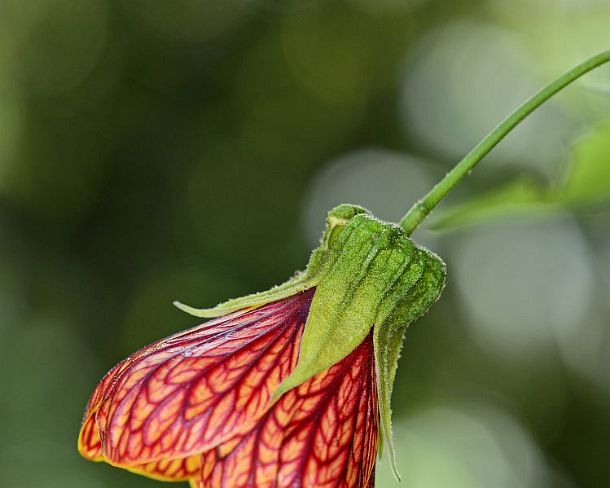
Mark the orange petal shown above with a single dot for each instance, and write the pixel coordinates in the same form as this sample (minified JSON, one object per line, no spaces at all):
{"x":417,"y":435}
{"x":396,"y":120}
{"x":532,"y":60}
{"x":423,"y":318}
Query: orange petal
{"x":320,"y":434}
{"x":170,"y":469}
{"x":189,"y":393}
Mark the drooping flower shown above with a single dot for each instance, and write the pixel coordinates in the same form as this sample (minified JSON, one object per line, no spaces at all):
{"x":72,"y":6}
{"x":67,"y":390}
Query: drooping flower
{"x":289,"y":387}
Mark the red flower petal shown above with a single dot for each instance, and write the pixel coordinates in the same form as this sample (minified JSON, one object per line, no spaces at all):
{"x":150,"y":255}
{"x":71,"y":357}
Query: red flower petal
{"x":191,"y":392}
{"x":320,"y":434}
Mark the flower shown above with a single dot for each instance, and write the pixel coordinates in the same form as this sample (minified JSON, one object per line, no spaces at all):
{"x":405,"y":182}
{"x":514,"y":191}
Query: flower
{"x":288,"y":387}
{"x":198,"y":406}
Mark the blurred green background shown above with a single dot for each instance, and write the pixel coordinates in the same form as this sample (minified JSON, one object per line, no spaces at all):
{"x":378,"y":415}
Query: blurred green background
{"x":152,"y":151}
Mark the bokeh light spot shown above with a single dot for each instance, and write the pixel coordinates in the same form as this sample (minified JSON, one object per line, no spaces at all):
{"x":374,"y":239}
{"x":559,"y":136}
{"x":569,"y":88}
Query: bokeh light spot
{"x":465,"y":446}
{"x":454,"y":92}
{"x":523,"y":283}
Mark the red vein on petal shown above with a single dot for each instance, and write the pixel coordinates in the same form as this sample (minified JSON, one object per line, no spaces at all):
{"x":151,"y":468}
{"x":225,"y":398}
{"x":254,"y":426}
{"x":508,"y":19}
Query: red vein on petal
{"x":152,"y":391}
{"x":320,"y":434}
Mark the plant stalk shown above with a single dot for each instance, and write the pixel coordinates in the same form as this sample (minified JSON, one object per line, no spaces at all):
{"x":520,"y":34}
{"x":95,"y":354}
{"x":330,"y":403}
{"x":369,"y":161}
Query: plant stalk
{"x":419,"y":211}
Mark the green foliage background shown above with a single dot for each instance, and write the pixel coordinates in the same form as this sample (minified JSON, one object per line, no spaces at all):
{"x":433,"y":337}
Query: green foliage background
{"x":152,"y":151}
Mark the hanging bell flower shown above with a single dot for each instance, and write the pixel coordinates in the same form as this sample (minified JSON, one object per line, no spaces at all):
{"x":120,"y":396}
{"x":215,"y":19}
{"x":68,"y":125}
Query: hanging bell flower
{"x":287,"y":387}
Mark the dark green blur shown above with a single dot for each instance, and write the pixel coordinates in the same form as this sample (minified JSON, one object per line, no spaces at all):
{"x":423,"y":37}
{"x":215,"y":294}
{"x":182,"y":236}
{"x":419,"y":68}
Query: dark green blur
{"x":153,"y":151}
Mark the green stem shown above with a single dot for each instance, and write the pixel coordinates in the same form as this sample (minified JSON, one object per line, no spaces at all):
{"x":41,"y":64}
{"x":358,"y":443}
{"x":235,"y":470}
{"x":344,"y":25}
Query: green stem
{"x":423,"y":207}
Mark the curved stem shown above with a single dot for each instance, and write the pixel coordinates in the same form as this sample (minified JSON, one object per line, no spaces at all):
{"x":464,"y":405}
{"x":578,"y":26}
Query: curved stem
{"x":423,"y":207}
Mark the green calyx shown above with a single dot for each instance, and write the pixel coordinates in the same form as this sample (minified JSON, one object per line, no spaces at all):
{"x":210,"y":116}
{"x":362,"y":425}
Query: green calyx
{"x":368,"y":275}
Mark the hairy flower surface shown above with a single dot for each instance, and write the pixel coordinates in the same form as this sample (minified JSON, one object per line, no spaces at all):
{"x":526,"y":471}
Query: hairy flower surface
{"x":285,"y":388}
